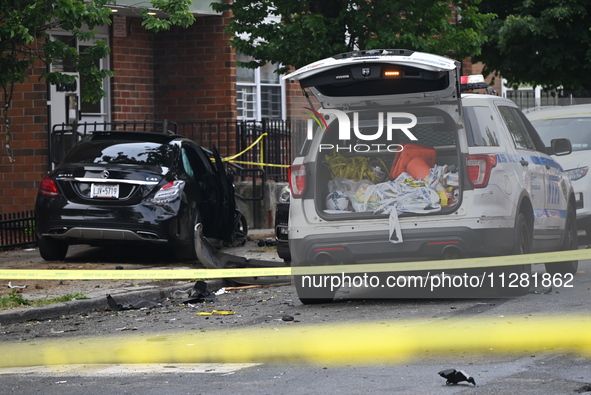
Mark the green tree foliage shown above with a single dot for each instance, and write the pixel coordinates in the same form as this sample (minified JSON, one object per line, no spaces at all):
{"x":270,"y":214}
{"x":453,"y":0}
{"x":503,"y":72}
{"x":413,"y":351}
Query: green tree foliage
{"x":24,"y":41}
{"x":305,"y":31}
{"x":540,"y":42}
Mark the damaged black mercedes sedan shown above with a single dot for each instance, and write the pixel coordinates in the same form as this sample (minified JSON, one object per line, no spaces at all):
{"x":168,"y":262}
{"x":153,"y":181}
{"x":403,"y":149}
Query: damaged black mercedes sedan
{"x":134,"y":188}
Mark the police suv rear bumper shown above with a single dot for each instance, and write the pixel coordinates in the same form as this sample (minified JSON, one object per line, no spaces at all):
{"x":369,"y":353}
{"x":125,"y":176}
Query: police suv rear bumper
{"x":374,"y":247}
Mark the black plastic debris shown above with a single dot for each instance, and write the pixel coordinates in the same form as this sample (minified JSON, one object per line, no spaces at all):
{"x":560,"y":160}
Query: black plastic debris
{"x":456,"y":376}
{"x":139,"y":304}
{"x":267,"y":243}
{"x":199,"y":294}
{"x":287,"y":318}
{"x":584,"y":389}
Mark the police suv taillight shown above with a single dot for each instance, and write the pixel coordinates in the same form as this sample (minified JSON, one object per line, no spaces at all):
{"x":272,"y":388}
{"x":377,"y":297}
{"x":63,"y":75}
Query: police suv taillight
{"x":479,"y":168}
{"x":297,"y":180}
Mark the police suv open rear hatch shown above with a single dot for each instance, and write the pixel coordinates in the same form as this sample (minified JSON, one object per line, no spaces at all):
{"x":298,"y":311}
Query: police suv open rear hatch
{"x":385,"y":115}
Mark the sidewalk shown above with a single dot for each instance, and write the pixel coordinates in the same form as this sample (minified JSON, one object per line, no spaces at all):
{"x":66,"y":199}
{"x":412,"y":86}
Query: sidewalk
{"x":124,"y":292}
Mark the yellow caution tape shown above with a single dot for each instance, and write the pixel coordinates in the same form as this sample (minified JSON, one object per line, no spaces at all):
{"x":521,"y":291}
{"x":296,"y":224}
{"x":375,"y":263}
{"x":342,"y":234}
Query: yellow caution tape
{"x":229,"y":158}
{"x":359,"y":343}
{"x":448,"y":264}
{"x":232,"y":158}
{"x":157,"y":274}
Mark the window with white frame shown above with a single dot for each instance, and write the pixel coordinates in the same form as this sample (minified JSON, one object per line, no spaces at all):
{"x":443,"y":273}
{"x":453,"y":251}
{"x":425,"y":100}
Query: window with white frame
{"x":89,"y":111}
{"x":259,"y":92}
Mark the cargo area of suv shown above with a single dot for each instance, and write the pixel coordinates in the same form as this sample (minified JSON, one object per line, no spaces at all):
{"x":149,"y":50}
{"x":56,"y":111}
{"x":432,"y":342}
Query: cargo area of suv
{"x":368,"y":179}
{"x":397,"y":163}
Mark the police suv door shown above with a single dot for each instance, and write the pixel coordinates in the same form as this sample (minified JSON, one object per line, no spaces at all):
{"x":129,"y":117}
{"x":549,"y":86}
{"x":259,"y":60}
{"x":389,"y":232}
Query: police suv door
{"x":528,"y":164}
{"x":556,"y":187}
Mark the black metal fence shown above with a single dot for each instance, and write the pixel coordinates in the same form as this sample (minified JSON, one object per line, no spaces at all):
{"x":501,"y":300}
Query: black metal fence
{"x":262,"y":144}
{"x":64,"y":136}
{"x":17,"y":229}
{"x":526,"y":98}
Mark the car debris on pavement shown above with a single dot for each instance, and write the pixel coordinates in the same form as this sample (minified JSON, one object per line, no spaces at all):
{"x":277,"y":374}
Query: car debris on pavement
{"x":454,"y":376}
{"x":139,"y":304}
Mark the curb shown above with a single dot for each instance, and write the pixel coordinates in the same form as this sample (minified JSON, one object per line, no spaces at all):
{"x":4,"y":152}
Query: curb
{"x":25,"y":314}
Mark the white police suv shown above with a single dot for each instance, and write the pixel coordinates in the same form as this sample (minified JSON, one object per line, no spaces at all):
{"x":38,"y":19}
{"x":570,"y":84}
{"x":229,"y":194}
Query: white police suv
{"x":573,"y":122}
{"x":396,"y":162}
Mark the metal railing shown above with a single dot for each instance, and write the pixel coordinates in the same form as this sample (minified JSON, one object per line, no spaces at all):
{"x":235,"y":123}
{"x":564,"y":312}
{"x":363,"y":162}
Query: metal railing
{"x":65,"y":135}
{"x":272,"y":153}
{"x":527,"y":98}
{"x":234,"y":137}
{"x":17,"y":229}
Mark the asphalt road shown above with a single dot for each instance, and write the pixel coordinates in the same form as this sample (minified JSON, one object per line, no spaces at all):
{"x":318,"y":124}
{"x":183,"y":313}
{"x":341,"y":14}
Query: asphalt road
{"x":267,"y":334}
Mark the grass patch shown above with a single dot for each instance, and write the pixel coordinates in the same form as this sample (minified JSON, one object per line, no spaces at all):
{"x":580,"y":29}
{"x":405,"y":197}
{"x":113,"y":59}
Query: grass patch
{"x":13,"y":300}
{"x":64,"y":298}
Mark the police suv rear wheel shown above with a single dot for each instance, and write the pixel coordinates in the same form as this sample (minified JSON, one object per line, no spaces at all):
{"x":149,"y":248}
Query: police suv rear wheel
{"x":516,"y":278}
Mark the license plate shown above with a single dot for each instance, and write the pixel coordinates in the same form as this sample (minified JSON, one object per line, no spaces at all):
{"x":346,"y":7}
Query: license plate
{"x":104,"y":191}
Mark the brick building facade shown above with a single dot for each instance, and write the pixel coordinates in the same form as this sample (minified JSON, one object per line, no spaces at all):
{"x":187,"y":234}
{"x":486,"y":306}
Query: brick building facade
{"x":23,"y":158}
{"x":182,"y":74}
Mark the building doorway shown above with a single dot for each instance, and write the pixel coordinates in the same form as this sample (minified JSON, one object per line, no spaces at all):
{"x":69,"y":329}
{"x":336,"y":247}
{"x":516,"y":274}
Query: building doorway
{"x":65,"y":100}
